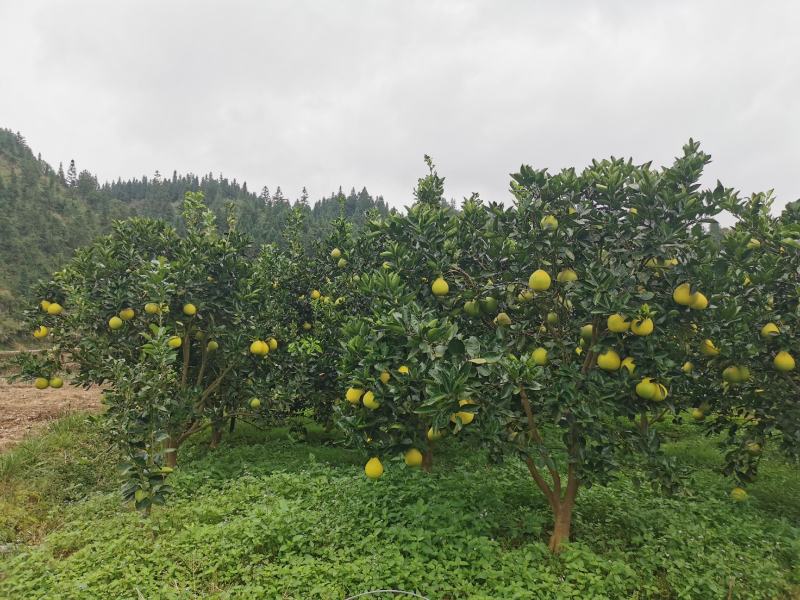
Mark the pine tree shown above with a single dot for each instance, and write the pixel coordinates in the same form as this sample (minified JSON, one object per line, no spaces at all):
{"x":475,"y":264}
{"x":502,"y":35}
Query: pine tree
{"x":265,"y":197}
{"x":72,"y":174}
{"x":61,"y":173}
{"x":303,"y":201}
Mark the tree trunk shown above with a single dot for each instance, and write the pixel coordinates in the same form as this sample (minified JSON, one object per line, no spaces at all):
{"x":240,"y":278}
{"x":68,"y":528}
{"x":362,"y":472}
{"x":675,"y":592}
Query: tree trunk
{"x":216,"y":435}
{"x":427,"y":460}
{"x":233,"y":425}
{"x":562,"y":513}
{"x":171,"y":456}
{"x":563,"y":521}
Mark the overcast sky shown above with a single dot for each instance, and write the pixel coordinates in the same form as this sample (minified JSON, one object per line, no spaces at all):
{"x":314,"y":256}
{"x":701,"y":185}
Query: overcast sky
{"x":354,"y":93}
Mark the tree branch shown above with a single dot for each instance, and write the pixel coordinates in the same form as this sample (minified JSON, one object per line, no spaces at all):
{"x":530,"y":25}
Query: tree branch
{"x":203,"y":361}
{"x":537,"y":437}
{"x":185,"y":372}
{"x":213,"y":385}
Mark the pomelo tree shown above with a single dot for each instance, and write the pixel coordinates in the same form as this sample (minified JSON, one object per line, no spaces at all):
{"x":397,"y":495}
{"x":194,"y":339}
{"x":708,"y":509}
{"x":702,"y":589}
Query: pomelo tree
{"x":559,"y":329}
{"x":754,"y":328}
{"x":170,"y":324}
{"x":311,"y":285}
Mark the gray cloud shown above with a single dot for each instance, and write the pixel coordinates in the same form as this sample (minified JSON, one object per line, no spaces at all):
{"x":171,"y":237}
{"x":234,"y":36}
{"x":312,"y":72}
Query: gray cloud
{"x":353,"y":93}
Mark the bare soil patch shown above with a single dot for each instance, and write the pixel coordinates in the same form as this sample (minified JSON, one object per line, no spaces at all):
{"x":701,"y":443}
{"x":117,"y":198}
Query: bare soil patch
{"x":24,"y":409}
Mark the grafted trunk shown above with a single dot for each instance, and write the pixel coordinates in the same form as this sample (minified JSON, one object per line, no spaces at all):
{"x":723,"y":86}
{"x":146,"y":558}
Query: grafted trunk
{"x":216,"y":435}
{"x":171,"y":454}
{"x":561,"y":526}
{"x":427,"y":460}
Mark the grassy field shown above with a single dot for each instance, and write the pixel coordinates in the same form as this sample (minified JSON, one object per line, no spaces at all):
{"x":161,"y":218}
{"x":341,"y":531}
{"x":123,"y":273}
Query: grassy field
{"x":264,"y":517}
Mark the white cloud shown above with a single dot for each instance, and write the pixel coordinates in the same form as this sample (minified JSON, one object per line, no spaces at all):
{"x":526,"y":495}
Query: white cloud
{"x":354,"y":93}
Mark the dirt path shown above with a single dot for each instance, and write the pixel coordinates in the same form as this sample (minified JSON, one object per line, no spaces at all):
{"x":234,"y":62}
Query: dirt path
{"x":24,"y":409}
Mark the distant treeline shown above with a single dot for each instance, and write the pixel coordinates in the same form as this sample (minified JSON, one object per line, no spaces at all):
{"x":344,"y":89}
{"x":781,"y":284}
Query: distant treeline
{"x":46,"y":213}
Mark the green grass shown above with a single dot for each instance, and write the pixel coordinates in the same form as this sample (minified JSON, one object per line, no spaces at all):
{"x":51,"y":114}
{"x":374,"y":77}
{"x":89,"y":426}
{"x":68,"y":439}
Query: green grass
{"x":263,"y":517}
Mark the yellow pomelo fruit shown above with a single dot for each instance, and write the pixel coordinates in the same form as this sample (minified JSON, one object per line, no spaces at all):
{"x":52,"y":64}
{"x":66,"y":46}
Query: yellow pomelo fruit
{"x":687,"y":367}
{"x":683,"y":294}
{"x":56,"y":382}
{"x":369,"y":401}
{"x":255,"y":403}
{"x":617,"y":323}
{"x":566,"y":275}
{"x":753,"y":244}
{"x":753,"y":448}
{"x":629,"y":364}
{"x":306,"y":326}
{"x":40,"y":332}
{"x":259,"y":348}
{"x":373,"y":469}
{"x":272,"y":343}
{"x":189,"y":310}
{"x":783,"y":361}
{"x":315,"y":294}
{"x":697,"y":414}
{"x":539,"y":356}
{"x":609,"y":361}
{"x":434,"y":434}
{"x":587,"y":331}
{"x":549,"y":223}
{"x":54,"y":308}
{"x":385,"y":377}
{"x":466,"y":417}
{"x":707,"y":348}
{"x":699,"y":301}
{"x":439,"y":287}
{"x":403,"y":370}
{"x":174,"y":342}
{"x":212,"y":346}
{"x":738,"y":494}
{"x":539,"y":281}
{"x":341,"y":263}
{"x":353,"y":395}
{"x":502,"y":319}
{"x":115,"y":323}
{"x":41,"y":383}
{"x":736,"y":374}
{"x":45,"y":304}
{"x":642,"y":326}
{"x":646,"y":389}
{"x":126,"y":314}
{"x":151,"y":308}
{"x":413,"y":457}
{"x":336,"y":253}
{"x":770,"y":330}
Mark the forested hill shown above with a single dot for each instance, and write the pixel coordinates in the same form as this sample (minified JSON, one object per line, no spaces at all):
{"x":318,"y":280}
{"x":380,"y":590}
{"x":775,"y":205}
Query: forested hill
{"x":46,"y":212}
